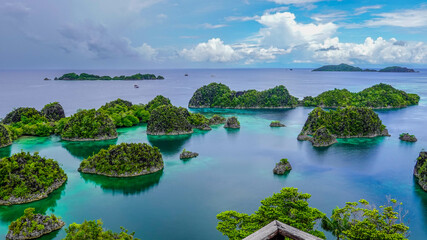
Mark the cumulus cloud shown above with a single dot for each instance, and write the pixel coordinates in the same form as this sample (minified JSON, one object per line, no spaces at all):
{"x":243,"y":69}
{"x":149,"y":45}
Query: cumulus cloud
{"x":96,"y":41}
{"x":406,"y":18}
{"x":372,"y":51}
{"x":281,"y":30}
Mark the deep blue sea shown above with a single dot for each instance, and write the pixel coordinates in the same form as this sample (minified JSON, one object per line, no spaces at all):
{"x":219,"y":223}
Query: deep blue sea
{"x":234,"y":168}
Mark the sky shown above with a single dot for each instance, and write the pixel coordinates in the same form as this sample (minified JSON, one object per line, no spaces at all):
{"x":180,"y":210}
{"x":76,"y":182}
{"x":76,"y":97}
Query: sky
{"x":148,"y":34}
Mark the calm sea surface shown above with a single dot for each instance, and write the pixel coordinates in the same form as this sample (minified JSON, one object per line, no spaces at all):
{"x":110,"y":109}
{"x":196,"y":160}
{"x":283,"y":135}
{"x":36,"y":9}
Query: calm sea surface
{"x":234,"y":168}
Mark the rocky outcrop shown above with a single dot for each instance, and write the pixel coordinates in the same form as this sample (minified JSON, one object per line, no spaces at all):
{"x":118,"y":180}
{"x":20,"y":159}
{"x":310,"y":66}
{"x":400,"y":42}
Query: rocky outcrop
{"x":124,"y":160}
{"x":53,"y":111}
{"x":16,"y":115}
{"x":277,"y":124}
{"x":31,"y":226}
{"x":169,"y":120}
{"x":187,"y":154}
{"x":420,"y":170}
{"x":204,"y":127}
{"x":5,"y":136}
{"x":323,"y":138}
{"x":407,"y":137}
{"x":282,"y":167}
{"x":232,"y":122}
{"x":216,"y":119}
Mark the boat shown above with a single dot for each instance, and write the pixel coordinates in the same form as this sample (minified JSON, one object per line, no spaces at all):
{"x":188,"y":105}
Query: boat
{"x":186,"y":74}
{"x":135,"y":86}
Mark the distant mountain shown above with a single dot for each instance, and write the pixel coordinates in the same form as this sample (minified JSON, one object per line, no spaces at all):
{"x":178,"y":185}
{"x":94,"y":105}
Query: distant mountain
{"x":396,"y":69}
{"x":348,"y":68}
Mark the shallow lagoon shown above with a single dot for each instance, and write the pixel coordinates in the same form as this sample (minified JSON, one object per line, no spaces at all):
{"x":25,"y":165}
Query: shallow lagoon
{"x":234,"y":168}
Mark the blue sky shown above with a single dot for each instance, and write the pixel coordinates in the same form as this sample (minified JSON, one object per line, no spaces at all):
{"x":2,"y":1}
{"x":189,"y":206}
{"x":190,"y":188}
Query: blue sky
{"x":137,"y":34}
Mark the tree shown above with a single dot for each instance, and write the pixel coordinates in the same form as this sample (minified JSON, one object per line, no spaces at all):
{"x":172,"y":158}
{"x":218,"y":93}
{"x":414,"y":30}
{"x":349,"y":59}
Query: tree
{"x":288,"y":206}
{"x":92,"y":230}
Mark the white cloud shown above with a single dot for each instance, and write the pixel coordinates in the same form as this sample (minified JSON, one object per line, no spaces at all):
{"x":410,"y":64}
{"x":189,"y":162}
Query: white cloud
{"x":405,"y":18}
{"x":365,"y":9}
{"x":372,"y":51}
{"x":281,"y":30}
{"x":211,"y":26}
{"x":295,"y":2}
{"x":241,"y":19}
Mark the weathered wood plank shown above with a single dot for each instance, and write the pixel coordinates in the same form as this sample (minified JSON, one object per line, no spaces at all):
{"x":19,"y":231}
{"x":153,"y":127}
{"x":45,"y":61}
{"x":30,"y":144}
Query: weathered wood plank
{"x":275,"y":228}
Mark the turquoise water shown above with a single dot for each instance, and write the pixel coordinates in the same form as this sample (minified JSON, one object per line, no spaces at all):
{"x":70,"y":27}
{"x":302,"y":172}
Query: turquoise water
{"x":234,"y":168}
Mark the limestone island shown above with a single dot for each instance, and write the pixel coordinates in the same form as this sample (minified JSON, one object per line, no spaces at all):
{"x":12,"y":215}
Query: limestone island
{"x":169,"y":120}
{"x":348,"y":122}
{"x":85,"y":76}
{"x":199,"y":121}
{"x":124,"y":113}
{"x":378,"y":96}
{"x":124,"y":160}
{"x":187,"y":154}
{"x":87,"y":229}
{"x":31,"y":226}
{"x":88,"y":125}
{"x":218,"y":95}
{"x":348,"y":68}
{"x":28,"y":178}
{"x":277,"y":124}
{"x":53,"y":111}
{"x":420,"y":170}
{"x":5,"y":136}
{"x":282,"y":167}
{"x":232,"y":122}
{"x":407,"y":137}
{"x":216,"y":120}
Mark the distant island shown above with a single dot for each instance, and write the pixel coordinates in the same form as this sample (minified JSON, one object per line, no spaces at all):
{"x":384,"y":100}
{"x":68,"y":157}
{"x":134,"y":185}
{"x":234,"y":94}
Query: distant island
{"x":218,"y":95}
{"x":348,"y":68}
{"x":85,"y":76}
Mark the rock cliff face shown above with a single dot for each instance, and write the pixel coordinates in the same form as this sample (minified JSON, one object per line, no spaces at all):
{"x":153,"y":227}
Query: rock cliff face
{"x":5,"y":136}
{"x":420,"y":170}
{"x":282,"y":167}
{"x":89,"y":125}
{"x":124,"y":160}
{"x":407,"y":137}
{"x":232,"y":122}
{"x":53,"y":112}
{"x":31,"y":226}
{"x":169,"y":120}
{"x":323,"y":138}
{"x":187,"y":154}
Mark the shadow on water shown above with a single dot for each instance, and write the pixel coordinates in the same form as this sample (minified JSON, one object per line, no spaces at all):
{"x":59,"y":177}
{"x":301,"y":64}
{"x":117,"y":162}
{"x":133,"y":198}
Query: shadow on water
{"x":51,"y":235}
{"x":126,"y":186}
{"x":272,"y":114}
{"x":11,"y":213}
{"x":6,"y":151}
{"x":169,"y":145}
{"x":86,"y":149}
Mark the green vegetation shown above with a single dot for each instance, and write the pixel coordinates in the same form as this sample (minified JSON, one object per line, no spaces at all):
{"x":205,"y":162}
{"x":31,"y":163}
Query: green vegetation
{"x":378,"y":96}
{"x":28,"y":121}
{"x":420,"y":170}
{"x":216,"y":119}
{"x":323,"y":138}
{"x":338,"y":68}
{"x":360,"y":221}
{"x":284,"y":161}
{"x":158,"y":101}
{"x":32,"y":225}
{"x":87,"y":125}
{"x":199,"y":121}
{"x":396,"y":69}
{"x":169,"y":120}
{"x":277,"y":124}
{"x":92,"y":230}
{"x":53,"y":111}
{"x":407,"y":137}
{"x":85,"y":76}
{"x":124,"y":160}
{"x":345,"y":122}
{"x":217,"y":95}
{"x":288,"y":206}
{"x":124,"y":113}
{"x":5,"y":136}
{"x":25,"y":178}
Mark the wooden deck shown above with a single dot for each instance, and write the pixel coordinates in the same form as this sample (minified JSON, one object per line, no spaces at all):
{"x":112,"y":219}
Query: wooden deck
{"x":277,"y":231}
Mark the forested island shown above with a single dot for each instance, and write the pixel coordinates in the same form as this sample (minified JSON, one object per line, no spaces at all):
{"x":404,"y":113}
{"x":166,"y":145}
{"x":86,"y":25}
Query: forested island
{"x":85,"y":76}
{"x":420,"y":170}
{"x":218,"y":95}
{"x":31,"y":225}
{"x":27,"y":178}
{"x":92,"y":230}
{"x":124,"y":160}
{"x":348,"y":68}
{"x":322,"y":127}
{"x":378,"y":96}
{"x":5,"y":136}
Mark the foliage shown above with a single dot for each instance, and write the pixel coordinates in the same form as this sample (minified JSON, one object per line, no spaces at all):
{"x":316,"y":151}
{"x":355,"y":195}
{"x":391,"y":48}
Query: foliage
{"x":124,"y":113}
{"x":53,"y":111}
{"x":92,"y":230}
{"x":6,"y":136}
{"x":284,"y":161}
{"x":85,"y":76}
{"x":420,"y":170}
{"x":158,"y":101}
{"x":359,"y":221}
{"x":345,"y":122}
{"x":23,"y":174}
{"x":28,"y":121}
{"x":216,"y":119}
{"x":378,"y":96}
{"x":341,"y":68}
{"x":218,"y":95}
{"x":396,"y":69}
{"x":197,"y":120}
{"x":169,"y":120}
{"x":30,"y":222}
{"x":89,"y":124}
{"x":124,"y":159}
{"x":288,"y":206}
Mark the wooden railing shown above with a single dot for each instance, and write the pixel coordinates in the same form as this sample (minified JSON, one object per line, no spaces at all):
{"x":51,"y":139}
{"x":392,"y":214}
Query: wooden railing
{"x":277,"y":231}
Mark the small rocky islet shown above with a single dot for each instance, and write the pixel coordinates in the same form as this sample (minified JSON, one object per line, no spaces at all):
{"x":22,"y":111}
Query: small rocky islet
{"x":282,"y":167}
{"x":124,"y":160}
{"x":407,"y":137}
{"x":232,"y":123}
{"x":187,"y":154}
{"x":33,"y":225}
{"x":28,"y":178}
{"x":277,"y":124}
{"x":420,"y":170}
